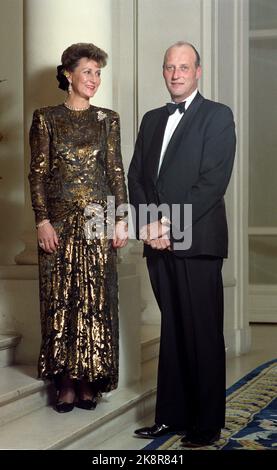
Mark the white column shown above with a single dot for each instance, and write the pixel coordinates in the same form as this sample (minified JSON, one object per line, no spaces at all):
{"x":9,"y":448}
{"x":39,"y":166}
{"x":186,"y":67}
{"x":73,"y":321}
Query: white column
{"x":219,"y":29}
{"x":11,"y":123}
{"x":49,"y":27}
{"x":232,"y":50}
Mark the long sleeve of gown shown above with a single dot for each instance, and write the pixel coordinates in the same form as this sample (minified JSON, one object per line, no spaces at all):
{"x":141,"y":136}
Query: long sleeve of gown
{"x":39,"y":168}
{"x":115,"y":170}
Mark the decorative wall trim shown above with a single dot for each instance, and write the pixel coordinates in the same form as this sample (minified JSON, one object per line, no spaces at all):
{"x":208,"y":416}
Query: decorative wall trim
{"x":206,"y":47}
{"x":229,"y":282}
{"x":209,"y":48}
{"x":237,"y":341}
{"x":263,"y":34}
{"x":215,"y":91}
{"x":263,"y":231}
{"x":19,"y":272}
{"x":135,"y":67}
{"x":241,"y":111}
{"x":263,"y":303}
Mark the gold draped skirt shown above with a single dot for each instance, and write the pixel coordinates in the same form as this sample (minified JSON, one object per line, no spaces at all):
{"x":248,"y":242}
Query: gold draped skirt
{"x":79,"y":306}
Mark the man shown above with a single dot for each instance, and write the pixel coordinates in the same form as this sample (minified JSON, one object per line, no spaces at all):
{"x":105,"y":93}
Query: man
{"x":184,"y":154}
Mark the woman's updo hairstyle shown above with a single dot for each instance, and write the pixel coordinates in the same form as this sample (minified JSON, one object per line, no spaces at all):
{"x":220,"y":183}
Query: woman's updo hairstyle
{"x":71,"y":57}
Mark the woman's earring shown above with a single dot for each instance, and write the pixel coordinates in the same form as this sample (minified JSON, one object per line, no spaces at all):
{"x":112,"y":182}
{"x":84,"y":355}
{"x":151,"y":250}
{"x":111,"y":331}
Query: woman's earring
{"x":69,"y":88}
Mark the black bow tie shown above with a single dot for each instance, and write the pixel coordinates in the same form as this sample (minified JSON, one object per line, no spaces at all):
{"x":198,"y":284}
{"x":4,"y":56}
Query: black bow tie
{"x":171,"y":107}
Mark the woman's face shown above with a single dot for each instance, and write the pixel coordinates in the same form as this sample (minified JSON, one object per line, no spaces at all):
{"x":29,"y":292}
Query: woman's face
{"x":85,"y":78}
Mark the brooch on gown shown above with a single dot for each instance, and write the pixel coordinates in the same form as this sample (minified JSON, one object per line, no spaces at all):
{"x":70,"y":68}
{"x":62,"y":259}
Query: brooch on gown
{"x":101,"y":115}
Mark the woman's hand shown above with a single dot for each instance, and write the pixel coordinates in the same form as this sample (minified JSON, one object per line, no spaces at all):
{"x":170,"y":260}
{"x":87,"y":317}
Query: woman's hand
{"x":47,"y":238}
{"x":120,"y":238}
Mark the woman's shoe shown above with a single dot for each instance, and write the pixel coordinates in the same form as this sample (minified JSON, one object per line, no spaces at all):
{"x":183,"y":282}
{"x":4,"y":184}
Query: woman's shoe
{"x":63,"y":407}
{"x":85,"y":395}
{"x":89,"y":404}
{"x":65,"y":391}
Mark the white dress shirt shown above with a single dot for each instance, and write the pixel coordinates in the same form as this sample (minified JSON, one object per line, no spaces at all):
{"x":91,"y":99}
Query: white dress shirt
{"x":171,"y":125}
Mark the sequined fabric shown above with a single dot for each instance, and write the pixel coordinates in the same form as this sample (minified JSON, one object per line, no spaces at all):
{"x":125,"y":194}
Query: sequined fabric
{"x":76,"y":161}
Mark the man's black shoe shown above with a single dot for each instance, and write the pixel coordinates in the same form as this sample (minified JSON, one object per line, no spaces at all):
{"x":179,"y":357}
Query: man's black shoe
{"x":195,"y":441}
{"x":153,"y":431}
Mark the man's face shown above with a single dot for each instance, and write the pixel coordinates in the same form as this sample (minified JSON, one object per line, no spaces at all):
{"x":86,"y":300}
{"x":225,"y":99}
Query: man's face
{"x":180,"y":72}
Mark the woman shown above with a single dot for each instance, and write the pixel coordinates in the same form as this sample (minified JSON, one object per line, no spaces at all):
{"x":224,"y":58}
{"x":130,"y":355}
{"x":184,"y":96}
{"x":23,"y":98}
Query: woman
{"x":76,"y":163}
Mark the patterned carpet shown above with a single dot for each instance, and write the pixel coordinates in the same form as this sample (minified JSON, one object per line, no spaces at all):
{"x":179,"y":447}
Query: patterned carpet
{"x":251,"y":415}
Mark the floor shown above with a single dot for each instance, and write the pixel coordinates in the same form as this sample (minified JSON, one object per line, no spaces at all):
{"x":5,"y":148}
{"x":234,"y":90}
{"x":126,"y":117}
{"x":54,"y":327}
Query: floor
{"x":264,"y":348}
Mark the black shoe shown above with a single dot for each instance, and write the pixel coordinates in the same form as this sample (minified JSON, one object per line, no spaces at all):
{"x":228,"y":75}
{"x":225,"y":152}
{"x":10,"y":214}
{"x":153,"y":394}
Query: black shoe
{"x":153,"y":431}
{"x":86,"y":404}
{"x":63,"y":407}
{"x":193,"y":441}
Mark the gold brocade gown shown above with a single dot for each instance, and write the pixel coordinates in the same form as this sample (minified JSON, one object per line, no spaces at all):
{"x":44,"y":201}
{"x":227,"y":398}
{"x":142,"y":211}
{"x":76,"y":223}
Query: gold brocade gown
{"x":76,"y":161}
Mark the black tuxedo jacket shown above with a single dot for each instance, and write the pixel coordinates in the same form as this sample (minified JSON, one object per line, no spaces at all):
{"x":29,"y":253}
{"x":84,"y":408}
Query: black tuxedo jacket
{"x":196,"y":170}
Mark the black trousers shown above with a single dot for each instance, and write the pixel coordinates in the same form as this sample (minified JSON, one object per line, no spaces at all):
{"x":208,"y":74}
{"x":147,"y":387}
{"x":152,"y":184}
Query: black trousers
{"x":191,"y":373}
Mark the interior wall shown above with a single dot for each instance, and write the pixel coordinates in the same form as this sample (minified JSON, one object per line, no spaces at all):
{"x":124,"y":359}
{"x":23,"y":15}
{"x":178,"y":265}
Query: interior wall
{"x":68,"y":23}
{"x":263,"y":147}
{"x":219,"y":30}
{"x":11,"y":128}
{"x":161,"y":24}
{"x":263,"y":163}
{"x":262,"y":14}
{"x":39,"y":31}
{"x":136,"y":33}
{"x":263,"y":141}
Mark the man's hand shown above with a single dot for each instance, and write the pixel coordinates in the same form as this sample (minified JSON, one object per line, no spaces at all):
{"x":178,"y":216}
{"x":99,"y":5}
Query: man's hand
{"x":152,"y":231}
{"x":162,"y":243}
{"x":156,"y":235}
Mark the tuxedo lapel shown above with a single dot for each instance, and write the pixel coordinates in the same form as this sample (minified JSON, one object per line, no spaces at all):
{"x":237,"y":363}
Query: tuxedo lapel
{"x":179,"y":131}
{"x":156,"y":145}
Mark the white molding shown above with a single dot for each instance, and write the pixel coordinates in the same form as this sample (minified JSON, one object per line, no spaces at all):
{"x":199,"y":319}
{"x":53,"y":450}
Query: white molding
{"x":260,"y":34}
{"x":19,"y":272}
{"x":241,"y":80}
{"x":263,"y":303}
{"x":135,"y":69}
{"x":209,"y":40}
{"x":206,"y":47}
{"x":263,"y":231}
{"x":212,"y":37}
{"x":215,"y":94}
{"x":237,"y":341}
{"x":229,"y":282}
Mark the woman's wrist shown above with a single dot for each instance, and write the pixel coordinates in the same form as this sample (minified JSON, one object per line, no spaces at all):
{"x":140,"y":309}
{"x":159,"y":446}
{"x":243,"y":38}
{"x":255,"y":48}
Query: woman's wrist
{"x":43,"y":222}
